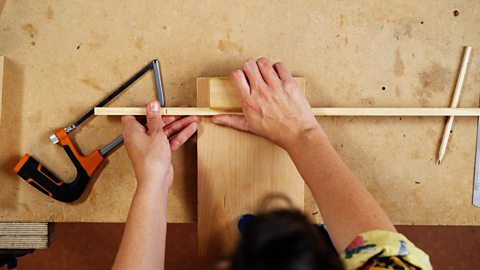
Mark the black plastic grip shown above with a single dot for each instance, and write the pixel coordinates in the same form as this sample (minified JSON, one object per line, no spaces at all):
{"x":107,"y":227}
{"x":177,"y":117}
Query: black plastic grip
{"x":42,"y":179}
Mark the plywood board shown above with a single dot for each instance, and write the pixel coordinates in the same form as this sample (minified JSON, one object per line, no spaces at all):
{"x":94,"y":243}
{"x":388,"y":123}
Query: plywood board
{"x":236,"y":170}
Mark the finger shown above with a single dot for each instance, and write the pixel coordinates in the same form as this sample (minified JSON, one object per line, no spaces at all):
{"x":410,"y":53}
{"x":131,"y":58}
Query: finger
{"x":183,"y":136}
{"x":170,"y":119}
{"x":154,"y":118}
{"x":234,"y":121}
{"x":282,"y":71}
{"x":268,"y":73}
{"x":178,"y":125}
{"x":240,"y":83}
{"x":253,"y":74}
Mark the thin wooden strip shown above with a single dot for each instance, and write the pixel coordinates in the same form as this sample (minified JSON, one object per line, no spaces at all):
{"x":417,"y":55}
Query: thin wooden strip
{"x":317,"y":111}
{"x":456,"y":97}
{"x":396,"y":111}
{"x":165,"y":111}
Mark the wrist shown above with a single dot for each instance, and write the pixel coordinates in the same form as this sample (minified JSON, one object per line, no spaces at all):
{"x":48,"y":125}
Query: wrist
{"x":152,"y":185}
{"x":306,"y":138}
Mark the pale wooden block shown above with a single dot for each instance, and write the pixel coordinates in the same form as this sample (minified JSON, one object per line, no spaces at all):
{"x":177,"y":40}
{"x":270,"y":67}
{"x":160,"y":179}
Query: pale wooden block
{"x":223,"y":95}
{"x":236,"y":170}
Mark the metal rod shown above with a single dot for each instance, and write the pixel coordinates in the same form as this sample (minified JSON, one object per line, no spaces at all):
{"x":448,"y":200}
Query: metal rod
{"x":158,"y":82}
{"x":111,"y":145}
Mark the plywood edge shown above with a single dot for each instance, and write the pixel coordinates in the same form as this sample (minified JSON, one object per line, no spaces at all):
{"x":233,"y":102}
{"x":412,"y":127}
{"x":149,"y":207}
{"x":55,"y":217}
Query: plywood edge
{"x":26,"y":235}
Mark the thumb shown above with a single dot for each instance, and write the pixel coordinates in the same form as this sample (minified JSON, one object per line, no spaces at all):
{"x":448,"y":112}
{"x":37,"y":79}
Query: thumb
{"x":234,"y":121}
{"x":154,"y":118}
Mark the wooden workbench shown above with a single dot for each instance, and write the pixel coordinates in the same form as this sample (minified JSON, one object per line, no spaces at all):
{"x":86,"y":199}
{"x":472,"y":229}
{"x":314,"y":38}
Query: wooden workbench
{"x":64,"y":56}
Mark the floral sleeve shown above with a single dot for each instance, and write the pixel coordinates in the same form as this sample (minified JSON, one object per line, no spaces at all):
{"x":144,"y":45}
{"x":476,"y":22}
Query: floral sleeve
{"x":384,"y":250}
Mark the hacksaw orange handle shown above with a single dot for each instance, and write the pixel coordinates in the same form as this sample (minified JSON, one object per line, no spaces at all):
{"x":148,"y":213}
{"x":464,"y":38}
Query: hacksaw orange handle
{"x":89,"y":163}
{"x":45,"y":181}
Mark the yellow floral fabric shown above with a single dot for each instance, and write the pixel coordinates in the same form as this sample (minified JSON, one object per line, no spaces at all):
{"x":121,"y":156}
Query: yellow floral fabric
{"x":378,"y":249}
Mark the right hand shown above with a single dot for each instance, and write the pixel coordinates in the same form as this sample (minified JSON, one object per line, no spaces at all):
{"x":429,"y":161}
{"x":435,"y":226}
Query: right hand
{"x":150,"y":147}
{"x":272,"y":103}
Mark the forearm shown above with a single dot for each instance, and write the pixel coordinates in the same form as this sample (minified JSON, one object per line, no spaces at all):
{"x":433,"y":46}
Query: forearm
{"x":143,"y":242}
{"x":347,"y":208}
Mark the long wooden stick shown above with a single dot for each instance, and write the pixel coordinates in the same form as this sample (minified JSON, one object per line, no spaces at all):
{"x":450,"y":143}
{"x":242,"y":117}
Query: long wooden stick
{"x":316,"y":111}
{"x":456,"y":96}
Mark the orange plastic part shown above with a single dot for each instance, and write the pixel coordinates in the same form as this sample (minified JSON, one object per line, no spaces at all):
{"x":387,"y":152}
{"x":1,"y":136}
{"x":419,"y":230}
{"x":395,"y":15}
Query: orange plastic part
{"x":89,"y":163}
{"x":20,"y":164}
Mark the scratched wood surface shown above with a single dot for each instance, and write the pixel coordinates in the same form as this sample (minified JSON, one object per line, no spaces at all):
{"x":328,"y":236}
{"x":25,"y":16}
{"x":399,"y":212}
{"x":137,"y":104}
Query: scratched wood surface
{"x":64,"y":56}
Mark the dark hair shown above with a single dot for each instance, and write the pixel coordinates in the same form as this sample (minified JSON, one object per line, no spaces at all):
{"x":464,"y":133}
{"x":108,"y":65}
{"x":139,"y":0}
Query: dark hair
{"x":283,"y":240}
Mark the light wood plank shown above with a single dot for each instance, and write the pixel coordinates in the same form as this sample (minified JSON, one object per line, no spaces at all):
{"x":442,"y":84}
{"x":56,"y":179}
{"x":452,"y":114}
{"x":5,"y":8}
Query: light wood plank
{"x":235,"y":171}
{"x":316,"y":111}
{"x":224,"y":96}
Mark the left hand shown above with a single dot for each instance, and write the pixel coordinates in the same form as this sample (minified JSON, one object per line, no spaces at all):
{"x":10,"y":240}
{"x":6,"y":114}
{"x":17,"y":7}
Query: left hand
{"x":150,"y":147}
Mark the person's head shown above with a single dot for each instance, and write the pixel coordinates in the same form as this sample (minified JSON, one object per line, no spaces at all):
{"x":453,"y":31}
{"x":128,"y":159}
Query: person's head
{"x":283,"y":239}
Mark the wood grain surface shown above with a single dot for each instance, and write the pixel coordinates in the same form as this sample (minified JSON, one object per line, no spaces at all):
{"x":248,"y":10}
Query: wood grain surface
{"x":62,"y":57}
{"x":236,"y":171}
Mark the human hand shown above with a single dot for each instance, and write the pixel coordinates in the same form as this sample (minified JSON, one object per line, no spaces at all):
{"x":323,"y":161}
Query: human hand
{"x":150,"y":147}
{"x":272,"y":103}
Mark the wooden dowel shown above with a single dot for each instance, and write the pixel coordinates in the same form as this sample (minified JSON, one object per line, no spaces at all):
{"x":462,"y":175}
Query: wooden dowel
{"x":316,"y":111}
{"x":456,"y":97}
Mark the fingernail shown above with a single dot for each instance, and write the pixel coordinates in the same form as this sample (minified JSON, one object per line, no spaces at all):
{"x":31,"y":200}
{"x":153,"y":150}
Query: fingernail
{"x":215,"y":120}
{"x":154,"y":106}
